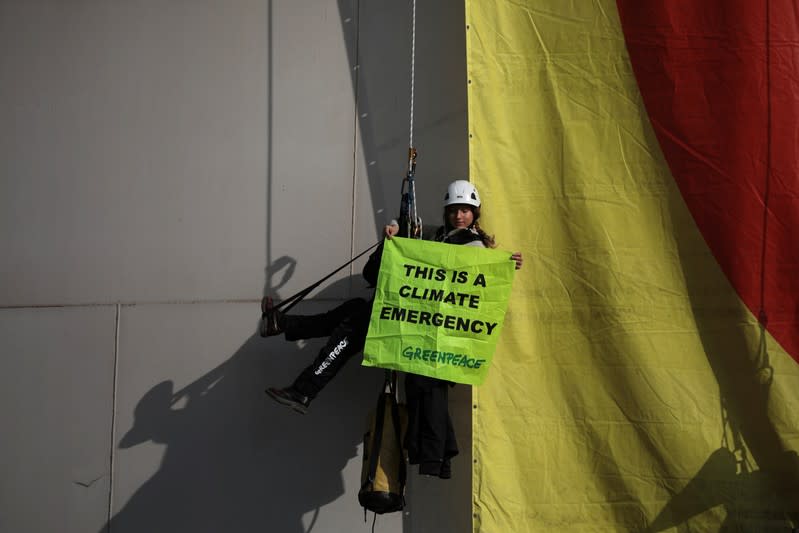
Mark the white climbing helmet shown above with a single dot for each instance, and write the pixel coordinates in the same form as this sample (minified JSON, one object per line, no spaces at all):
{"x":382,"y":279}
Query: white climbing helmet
{"x":462,"y":192}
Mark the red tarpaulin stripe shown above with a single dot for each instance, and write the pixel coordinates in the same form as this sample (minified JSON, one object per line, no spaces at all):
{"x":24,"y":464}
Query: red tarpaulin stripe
{"x":720,"y":80}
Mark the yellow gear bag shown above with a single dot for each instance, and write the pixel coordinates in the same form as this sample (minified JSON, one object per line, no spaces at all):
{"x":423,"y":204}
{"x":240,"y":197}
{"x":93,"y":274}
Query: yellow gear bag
{"x":384,"y":468}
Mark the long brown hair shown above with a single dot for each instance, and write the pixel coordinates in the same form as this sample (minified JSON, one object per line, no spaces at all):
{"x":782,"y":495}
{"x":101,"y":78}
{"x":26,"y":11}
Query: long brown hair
{"x":488,"y":240}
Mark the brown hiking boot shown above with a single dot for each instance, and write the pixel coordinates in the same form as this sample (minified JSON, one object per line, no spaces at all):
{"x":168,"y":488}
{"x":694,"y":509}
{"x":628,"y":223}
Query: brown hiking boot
{"x":271,"y":318}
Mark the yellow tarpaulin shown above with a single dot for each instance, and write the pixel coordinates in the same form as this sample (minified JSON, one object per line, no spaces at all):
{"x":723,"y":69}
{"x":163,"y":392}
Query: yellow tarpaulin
{"x":632,"y":389}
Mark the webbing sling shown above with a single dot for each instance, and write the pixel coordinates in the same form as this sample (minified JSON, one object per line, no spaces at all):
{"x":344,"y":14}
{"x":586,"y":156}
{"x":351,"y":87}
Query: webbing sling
{"x":293,"y":300}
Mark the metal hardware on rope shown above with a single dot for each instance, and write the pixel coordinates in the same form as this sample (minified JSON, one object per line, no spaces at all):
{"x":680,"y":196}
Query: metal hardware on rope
{"x":411,"y":161}
{"x":414,"y":213}
{"x":409,"y":221}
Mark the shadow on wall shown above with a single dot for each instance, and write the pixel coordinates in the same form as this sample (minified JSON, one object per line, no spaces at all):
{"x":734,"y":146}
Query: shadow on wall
{"x":380,"y":52}
{"x":749,"y":497}
{"x":237,"y":461}
{"x":754,"y":500}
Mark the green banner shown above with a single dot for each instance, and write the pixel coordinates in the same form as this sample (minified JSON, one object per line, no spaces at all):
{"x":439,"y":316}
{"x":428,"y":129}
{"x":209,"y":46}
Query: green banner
{"x":438,"y":309}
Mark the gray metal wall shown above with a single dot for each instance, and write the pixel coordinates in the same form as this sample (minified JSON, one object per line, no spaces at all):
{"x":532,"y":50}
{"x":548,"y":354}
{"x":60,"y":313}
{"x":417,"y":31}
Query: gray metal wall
{"x":163,"y":165}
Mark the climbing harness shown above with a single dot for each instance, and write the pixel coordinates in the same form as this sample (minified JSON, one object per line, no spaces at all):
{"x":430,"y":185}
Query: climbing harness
{"x":409,"y":221}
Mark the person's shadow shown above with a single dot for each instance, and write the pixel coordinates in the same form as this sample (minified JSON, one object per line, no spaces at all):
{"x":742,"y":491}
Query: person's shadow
{"x":755,"y":500}
{"x":749,"y":498}
{"x":237,"y":461}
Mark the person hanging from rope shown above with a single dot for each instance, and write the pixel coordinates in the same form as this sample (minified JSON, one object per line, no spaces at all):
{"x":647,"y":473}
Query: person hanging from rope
{"x":430,"y":438}
{"x":346,"y":325}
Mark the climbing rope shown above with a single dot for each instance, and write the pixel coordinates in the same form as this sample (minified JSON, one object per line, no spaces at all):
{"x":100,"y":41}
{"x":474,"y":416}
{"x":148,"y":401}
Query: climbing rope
{"x":413,"y":68}
{"x":765,"y":372}
{"x":409,"y":220}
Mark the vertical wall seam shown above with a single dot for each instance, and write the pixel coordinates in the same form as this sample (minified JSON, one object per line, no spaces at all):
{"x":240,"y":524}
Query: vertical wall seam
{"x":356,"y":133}
{"x":113,"y":416}
{"x":356,"y":130}
{"x":269,"y":152}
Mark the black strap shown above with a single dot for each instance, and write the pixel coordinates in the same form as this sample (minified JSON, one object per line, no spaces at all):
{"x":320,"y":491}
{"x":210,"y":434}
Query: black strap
{"x":293,"y":300}
{"x":391,"y":381}
{"x":398,"y":431}
{"x":377,"y":438}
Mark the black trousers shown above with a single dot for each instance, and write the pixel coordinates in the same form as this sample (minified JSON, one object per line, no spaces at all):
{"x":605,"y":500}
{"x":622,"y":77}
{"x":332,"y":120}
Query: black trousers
{"x":430,"y":439}
{"x":345,"y":326}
